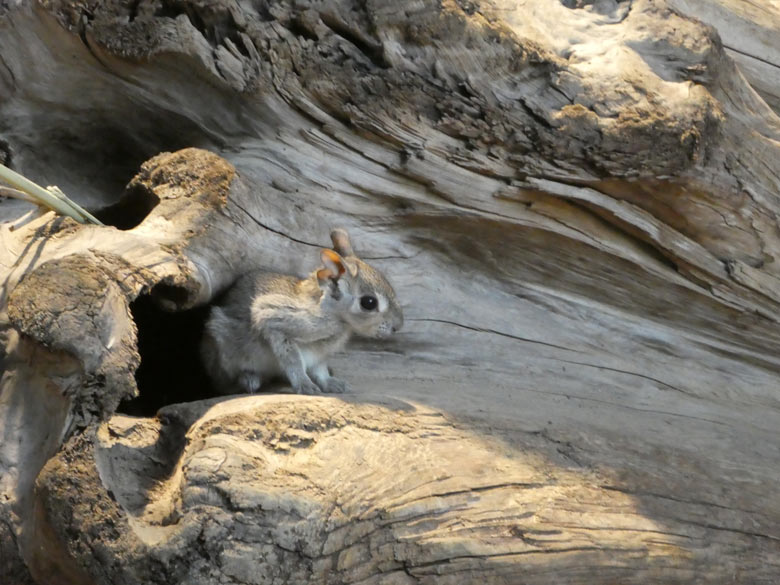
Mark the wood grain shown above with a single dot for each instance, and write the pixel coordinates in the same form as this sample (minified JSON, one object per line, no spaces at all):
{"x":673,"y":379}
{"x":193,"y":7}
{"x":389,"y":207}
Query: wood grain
{"x":576,"y":203}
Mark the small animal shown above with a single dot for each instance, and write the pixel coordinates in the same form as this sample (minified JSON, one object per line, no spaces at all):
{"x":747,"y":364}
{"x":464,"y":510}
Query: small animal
{"x":270,"y":325}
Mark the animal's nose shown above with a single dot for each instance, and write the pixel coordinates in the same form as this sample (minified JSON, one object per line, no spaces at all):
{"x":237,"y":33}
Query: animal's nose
{"x":398,"y":324}
{"x":396,"y":319}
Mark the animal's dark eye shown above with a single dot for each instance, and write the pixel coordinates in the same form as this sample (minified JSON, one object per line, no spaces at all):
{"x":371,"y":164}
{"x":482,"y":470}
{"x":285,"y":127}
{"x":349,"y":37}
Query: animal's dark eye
{"x":368,"y":302}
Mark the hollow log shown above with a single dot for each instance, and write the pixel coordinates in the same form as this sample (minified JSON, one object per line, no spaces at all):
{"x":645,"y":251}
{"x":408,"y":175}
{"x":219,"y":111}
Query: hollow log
{"x":576,"y":202}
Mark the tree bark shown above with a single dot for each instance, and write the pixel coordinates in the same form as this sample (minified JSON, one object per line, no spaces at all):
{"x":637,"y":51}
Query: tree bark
{"x":576,"y":202}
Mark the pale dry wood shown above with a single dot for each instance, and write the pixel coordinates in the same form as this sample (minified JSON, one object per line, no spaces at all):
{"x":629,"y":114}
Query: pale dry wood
{"x":750,"y":31}
{"x":586,"y":389}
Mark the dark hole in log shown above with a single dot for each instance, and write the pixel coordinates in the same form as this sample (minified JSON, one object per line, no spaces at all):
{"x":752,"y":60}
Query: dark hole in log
{"x":170,"y":296}
{"x":171,"y":369}
{"x":136,"y":203}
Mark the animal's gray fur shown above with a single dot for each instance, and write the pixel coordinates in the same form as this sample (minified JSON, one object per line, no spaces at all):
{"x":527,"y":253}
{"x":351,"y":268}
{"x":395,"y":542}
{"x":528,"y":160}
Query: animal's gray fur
{"x":270,"y":325}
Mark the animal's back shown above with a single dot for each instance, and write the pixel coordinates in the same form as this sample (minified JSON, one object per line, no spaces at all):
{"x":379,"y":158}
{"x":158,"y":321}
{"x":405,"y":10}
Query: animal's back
{"x":237,"y":301}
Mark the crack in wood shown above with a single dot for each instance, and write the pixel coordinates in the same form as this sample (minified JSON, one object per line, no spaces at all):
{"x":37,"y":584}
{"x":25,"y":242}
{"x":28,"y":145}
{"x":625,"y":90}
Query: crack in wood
{"x":629,"y":373}
{"x":751,"y":56}
{"x":493,"y":332}
{"x":372,"y":49}
{"x":637,"y":493}
{"x":270,"y":229}
{"x":440,"y":563}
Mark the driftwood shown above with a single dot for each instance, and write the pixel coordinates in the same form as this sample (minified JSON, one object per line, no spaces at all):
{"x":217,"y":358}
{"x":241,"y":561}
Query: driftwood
{"x":576,"y":202}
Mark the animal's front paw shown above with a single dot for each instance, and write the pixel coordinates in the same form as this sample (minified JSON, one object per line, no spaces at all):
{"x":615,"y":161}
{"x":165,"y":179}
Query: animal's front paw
{"x":306,"y":386}
{"x":249,"y":381}
{"x":335,"y":386}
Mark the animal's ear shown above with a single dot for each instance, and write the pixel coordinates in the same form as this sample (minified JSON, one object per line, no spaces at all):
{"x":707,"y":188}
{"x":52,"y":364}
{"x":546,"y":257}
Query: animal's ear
{"x":341,"y":242}
{"x":334,"y":266}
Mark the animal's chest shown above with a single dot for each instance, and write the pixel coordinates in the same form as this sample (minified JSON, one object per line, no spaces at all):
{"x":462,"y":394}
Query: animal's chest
{"x":316,"y":351}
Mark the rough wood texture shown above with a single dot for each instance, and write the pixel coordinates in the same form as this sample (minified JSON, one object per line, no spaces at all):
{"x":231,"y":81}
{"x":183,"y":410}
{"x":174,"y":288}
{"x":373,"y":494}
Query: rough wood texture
{"x":577,"y":205}
{"x":749,"y":33}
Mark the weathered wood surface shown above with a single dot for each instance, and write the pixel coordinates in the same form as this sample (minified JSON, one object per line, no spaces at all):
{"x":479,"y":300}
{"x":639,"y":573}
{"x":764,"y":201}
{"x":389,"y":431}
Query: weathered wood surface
{"x":577,"y":204}
{"x":749,"y":31}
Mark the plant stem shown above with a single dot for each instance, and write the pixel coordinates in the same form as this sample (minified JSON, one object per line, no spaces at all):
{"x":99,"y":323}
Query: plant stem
{"x":52,"y":197}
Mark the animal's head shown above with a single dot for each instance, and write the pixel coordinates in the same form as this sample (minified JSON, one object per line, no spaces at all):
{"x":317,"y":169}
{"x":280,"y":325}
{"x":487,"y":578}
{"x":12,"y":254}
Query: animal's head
{"x":357,"y":291}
